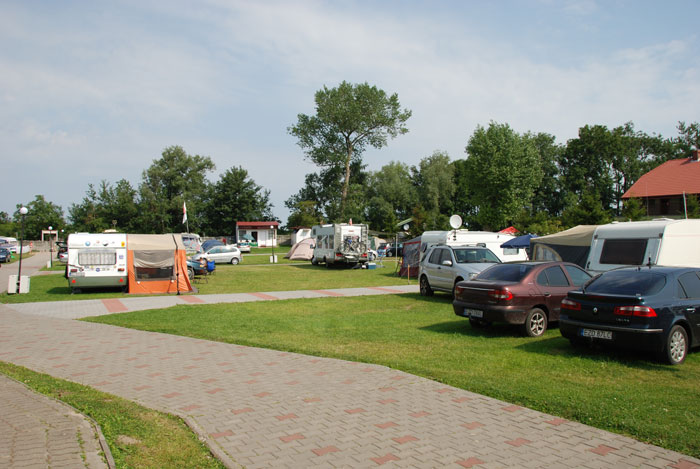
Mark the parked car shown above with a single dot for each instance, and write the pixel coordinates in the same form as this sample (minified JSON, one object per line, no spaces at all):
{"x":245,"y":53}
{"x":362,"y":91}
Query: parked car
{"x":63,"y":257}
{"x":5,"y":255}
{"x":394,"y":250}
{"x":443,"y":267}
{"x":526,"y":293}
{"x":221,"y":254}
{"x":648,"y":308}
{"x":196,"y":267}
{"x":244,"y":246}
{"x":210,"y":243}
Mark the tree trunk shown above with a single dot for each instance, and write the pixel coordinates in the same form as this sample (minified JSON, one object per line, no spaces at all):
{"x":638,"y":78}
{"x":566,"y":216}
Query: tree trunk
{"x":346,"y":184}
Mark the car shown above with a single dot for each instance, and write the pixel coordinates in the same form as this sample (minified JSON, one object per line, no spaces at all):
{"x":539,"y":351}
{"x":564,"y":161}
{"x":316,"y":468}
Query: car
{"x":196,"y":267}
{"x":648,"y":308}
{"x":63,"y":257}
{"x":244,"y":246}
{"x":221,"y":254}
{"x":210,"y":243}
{"x":5,"y":255}
{"x":393,"y":250}
{"x":527,"y":293}
{"x":443,"y":267}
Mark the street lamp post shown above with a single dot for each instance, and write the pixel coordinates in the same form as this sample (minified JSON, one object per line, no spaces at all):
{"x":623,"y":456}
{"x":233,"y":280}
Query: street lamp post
{"x":22,"y":211}
{"x":51,"y":247}
{"x":272,"y":259}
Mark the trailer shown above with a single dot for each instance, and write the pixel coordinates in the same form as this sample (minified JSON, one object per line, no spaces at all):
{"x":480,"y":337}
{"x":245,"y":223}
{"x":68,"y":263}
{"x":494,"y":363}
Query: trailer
{"x":97,"y":260}
{"x":340,"y":243}
{"x":487,"y":239}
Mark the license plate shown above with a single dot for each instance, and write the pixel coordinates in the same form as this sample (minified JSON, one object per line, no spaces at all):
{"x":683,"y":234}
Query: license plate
{"x":473,"y":313}
{"x":596,"y":334}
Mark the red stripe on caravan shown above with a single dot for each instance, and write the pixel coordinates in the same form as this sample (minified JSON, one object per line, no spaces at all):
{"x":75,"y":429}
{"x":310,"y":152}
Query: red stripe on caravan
{"x":114,"y":305}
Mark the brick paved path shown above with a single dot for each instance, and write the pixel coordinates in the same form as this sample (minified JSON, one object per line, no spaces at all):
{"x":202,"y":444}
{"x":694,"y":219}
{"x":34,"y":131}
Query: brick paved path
{"x":262,"y":408}
{"x":40,"y":432}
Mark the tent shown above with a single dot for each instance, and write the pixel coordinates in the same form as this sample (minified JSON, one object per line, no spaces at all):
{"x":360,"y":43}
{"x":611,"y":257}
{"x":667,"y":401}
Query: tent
{"x":157,"y":264}
{"x":411,"y":258}
{"x":301,"y":251}
{"x":572,"y":245}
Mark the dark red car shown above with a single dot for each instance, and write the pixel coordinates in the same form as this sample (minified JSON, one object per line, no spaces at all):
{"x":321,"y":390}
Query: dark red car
{"x":526,"y":293}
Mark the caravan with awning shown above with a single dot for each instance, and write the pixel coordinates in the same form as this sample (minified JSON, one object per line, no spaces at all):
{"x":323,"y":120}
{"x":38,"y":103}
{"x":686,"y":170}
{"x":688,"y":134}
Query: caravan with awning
{"x":157,"y":264}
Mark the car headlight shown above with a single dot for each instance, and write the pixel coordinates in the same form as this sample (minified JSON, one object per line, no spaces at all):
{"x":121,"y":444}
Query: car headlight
{"x":472,"y":275}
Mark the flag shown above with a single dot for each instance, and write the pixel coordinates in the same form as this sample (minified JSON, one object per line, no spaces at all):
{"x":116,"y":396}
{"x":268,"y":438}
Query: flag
{"x":184,"y":212}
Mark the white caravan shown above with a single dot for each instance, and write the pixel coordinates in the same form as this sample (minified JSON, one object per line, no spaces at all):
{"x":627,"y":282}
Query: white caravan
{"x":340,"y":243}
{"x":487,"y":239}
{"x":663,"y":242}
{"x":97,"y":260}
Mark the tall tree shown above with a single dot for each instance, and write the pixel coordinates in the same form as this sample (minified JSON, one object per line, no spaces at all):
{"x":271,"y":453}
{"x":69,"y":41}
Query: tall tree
{"x":688,"y":137}
{"x":508,"y":169}
{"x":391,"y":196}
{"x":548,"y":195}
{"x":435,"y":183}
{"x":40,"y":215}
{"x":348,"y":118}
{"x":167,"y":184}
{"x":236,"y":197}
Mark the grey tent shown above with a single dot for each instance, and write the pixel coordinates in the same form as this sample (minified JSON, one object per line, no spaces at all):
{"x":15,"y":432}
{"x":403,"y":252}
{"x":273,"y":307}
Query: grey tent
{"x":301,"y":251}
{"x":572,"y":245}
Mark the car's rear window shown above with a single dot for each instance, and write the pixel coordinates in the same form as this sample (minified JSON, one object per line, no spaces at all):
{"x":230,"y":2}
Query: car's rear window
{"x":505,"y":272}
{"x":625,"y":282}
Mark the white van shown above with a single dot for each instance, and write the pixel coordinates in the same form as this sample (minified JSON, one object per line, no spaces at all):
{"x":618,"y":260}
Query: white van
{"x":656,"y":242}
{"x":340,"y":243}
{"x":97,"y":260}
{"x":486,"y":239}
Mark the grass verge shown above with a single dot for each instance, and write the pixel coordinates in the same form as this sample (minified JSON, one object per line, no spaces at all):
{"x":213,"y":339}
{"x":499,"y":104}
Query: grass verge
{"x":137,"y":437}
{"x":616,"y":391}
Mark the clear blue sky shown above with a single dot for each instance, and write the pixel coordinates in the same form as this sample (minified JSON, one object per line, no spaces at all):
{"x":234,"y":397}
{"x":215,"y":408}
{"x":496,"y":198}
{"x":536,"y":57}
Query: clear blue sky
{"x":96,"y":90}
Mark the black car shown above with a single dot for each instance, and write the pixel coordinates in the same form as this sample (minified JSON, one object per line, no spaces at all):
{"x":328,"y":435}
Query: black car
{"x":5,"y":255}
{"x":643,"y":308}
{"x":393,"y":250}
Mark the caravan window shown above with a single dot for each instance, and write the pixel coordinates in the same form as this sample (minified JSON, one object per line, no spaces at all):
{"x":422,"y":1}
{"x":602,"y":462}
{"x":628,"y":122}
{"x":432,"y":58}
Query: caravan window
{"x":97,"y":257}
{"x":623,"y":251}
{"x":154,"y":265}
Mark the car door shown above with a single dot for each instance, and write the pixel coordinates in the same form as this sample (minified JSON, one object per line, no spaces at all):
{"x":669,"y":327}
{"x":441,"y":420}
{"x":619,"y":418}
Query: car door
{"x":553,"y":285}
{"x":432,"y":268}
{"x":689,"y":302}
{"x":214,"y":254}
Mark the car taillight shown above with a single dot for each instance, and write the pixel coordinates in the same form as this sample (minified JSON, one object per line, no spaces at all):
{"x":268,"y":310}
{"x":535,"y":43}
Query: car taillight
{"x":570,"y":304}
{"x":364,"y":254}
{"x":458,"y":290}
{"x":501,"y":295}
{"x":337,"y":254}
{"x":640,"y":311}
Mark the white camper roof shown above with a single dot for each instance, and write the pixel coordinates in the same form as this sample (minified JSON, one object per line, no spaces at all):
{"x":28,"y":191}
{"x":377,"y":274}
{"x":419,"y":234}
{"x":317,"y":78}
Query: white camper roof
{"x":649,"y":229}
{"x":77,"y":240}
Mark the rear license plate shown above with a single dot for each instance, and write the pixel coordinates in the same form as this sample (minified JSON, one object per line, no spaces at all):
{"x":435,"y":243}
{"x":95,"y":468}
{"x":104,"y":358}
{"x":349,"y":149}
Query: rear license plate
{"x":596,"y":334}
{"x":473,"y":313}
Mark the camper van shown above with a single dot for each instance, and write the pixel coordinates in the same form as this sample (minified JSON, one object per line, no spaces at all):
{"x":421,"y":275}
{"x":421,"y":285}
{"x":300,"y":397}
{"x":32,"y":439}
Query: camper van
{"x":662,"y":241}
{"x":486,"y":239}
{"x":96,"y":260}
{"x":340,"y":243}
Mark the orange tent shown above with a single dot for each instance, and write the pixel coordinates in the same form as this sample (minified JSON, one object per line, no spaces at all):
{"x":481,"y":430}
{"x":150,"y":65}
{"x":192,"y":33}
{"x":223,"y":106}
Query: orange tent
{"x":157,"y":264}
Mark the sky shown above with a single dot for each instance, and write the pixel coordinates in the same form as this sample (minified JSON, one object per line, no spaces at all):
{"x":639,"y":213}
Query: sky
{"x":95,"y":90}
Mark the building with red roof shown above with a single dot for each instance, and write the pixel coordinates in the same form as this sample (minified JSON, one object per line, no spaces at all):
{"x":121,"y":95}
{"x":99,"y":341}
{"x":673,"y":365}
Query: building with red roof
{"x":663,"y":188}
{"x":258,"y":233}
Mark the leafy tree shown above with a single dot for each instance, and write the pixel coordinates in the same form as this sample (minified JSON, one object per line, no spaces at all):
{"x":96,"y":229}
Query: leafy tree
{"x":548,"y":196}
{"x":86,"y":216}
{"x":391,"y":196}
{"x":435,"y":184}
{"x":634,"y":209}
{"x":40,"y":215}
{"x":589,"y":211}
{"x":688,"y":137}
{"x":169,"y":182}
{"x":236,"y":197}
{"x":692,"y":205}
{"x":304,"y":213}
{"x":508,"y":170}
{"x":348,"y":118}
{"x":464,"y":196}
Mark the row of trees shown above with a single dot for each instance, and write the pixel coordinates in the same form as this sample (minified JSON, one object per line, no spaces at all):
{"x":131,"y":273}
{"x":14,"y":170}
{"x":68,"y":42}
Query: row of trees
{"x":507,"y":178}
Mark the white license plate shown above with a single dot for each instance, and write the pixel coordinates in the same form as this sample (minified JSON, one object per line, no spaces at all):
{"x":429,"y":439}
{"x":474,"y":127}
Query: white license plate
{"x":473,"y":313}
{"x":596,"y":334}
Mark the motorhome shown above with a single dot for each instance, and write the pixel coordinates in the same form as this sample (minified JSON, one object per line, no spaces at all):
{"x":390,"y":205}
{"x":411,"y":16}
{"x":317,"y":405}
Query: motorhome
{"x":340,"y":243}
{"x":192,"y":242}
{"x":9,"y":243}
{"x":656,"y":242}
{"x":487,"y":239}
{"x":97,"y":260}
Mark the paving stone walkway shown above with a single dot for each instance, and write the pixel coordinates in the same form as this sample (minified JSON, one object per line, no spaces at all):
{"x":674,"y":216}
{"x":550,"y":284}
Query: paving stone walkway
{"x":261,"y":408}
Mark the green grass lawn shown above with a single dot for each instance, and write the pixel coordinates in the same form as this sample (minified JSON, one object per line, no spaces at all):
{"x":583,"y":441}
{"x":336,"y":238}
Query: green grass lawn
{"x":230,"y":279}
{"x":616,"y":391}
{"x":137,"y":437}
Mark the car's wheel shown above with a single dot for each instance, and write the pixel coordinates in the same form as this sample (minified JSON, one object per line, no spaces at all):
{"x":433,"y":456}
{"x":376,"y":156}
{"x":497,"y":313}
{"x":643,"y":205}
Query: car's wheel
{"x":314,"y":261}
{"x":190,"y":273}
{"x":328,"y":264}
{"x":676,"y":345}
{"x":478,"y":323}
{"x":234,"y":260}
{"x":425,"y":289}
{"x":535,"y":323}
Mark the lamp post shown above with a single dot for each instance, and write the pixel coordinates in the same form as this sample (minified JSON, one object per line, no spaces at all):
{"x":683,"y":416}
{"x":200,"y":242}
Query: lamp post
{"x":50,"y":247}
{"x":22,"y":211}
{"x":272,"y":237}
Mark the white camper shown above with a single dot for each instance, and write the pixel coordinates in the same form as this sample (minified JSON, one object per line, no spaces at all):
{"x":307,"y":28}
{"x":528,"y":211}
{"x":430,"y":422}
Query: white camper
{"x":340,"y":243}
{"x":663,"y":242}
{"x":97,"y":260}
{"x":487,"y":239}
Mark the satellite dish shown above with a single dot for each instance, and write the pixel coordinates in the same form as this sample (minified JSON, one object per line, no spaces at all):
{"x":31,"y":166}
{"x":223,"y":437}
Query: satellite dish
{"x":405,"y":227}
{"x":455,"y":221}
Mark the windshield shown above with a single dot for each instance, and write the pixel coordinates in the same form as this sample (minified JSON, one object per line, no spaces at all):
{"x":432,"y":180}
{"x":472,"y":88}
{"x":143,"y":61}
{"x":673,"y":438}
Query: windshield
{"x":475,"y":255}
{"x":625,"y":282}
{"x":505,"y":272}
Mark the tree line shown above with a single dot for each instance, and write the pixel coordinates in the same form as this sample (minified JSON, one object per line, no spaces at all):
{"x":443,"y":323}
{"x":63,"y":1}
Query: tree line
{"x":527,"y":180}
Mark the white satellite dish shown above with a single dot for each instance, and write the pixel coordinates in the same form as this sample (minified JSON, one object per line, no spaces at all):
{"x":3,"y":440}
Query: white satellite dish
{"x":405,"y":227}
{"x":455,"y":221}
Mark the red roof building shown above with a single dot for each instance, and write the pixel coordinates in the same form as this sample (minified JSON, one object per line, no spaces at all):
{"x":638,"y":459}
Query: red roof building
{"x":662,"y":189}
{"x":259,"y":233}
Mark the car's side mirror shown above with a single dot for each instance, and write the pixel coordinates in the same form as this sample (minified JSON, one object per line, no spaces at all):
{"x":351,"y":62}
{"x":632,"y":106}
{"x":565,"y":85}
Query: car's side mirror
{"x":447,"y":263}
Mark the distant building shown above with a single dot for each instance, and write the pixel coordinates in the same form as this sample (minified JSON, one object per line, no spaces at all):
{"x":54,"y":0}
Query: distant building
{"x":300,"y":233}
{"x":662,"y":189}
{"x":258,"y":233}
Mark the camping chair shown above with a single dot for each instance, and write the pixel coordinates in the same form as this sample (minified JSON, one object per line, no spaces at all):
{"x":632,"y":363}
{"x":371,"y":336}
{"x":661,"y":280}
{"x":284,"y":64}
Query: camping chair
{"x":211,"y":267}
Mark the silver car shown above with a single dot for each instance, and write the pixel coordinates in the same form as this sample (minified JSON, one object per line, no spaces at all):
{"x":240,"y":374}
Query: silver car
{"x":228,"y":254}
{"x":442,"y":267}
